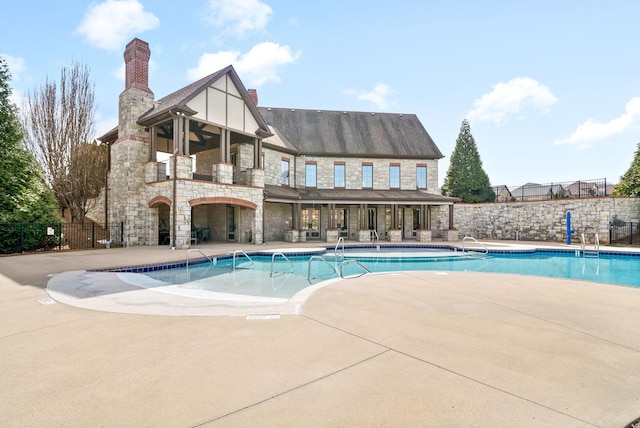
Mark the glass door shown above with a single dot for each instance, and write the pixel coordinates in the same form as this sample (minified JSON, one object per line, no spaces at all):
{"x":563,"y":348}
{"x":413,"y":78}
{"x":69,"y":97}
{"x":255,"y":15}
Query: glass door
{"x":231,"y":223}
{"x":311,"y":222}
{"x":342,"y":221}
{"x":416,"y":221}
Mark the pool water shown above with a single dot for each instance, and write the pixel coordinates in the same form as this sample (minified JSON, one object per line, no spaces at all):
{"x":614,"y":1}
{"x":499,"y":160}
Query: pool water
{"x":290,"y":275}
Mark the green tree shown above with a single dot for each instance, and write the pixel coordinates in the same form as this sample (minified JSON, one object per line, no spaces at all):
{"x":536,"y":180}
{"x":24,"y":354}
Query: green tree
{"x":23,"y":195}
{"x":465,"y":178}
{"x":630,"y":181}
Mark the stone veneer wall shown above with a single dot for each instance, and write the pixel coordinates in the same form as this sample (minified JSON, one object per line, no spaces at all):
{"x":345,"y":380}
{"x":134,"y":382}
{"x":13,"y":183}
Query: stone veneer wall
{"x":353,"y":171}
{"x":277,"y":221}
{"x":539,"y":220}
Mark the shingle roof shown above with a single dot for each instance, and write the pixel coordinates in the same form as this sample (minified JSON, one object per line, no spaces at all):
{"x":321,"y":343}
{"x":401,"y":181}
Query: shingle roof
{"x":308,"y":195}
{"x":354,"y":134}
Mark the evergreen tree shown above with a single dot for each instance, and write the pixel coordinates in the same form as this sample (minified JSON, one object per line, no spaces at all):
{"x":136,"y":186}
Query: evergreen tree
{"x":23,"y":195}
{"x":465,"y":178}
{"x":630,"y":181}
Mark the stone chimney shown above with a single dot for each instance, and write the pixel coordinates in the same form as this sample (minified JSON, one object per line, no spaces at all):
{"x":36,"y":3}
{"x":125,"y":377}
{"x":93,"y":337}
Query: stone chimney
{"x":136,"y":60}
{"x":254,"y":95}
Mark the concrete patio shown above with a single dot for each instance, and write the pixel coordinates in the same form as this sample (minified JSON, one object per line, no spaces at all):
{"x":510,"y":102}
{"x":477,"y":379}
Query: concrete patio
{"x":439,"y":349}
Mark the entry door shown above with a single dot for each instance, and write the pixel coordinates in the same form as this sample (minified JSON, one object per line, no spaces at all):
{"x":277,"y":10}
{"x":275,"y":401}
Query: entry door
{"x":342,"y":221}
{"x":231,"y":223}
{"x":311,"y":222}
{"x":416,"y":221}
{"x":371,"y":218}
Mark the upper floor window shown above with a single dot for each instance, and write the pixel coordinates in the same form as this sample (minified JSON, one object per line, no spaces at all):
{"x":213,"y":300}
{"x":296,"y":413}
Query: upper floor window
{"x":311,"y":174}
{"x":284,"y":172}
{"x":339,"y":175}
{"x":421,"y":176}
{"x":394,"y":176}
{"x":367,"y":175}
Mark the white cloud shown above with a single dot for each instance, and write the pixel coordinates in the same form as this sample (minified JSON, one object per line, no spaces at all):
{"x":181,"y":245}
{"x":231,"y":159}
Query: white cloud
{"x":16,"y":65}
{"x":510,"y":98}
{"x":102,"y":126}
{"x":592,"y":130}
{"x":109,"y":25}
{"x":257,"y":67}
{"x":378,"y":96}
{"x":239,"y":17}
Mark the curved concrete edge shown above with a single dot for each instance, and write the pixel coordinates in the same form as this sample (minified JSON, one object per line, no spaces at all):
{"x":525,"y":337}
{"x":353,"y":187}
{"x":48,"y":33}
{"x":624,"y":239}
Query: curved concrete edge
{"x":114,"y":292}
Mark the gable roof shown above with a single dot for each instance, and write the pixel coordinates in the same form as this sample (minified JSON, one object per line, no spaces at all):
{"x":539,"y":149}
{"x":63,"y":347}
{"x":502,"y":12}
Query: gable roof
{"x":177,"y":101}
{"x":353,"y":134}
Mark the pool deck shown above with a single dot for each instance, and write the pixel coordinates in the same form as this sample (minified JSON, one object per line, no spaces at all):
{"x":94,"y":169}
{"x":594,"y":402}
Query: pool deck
{"x":440,"y":349}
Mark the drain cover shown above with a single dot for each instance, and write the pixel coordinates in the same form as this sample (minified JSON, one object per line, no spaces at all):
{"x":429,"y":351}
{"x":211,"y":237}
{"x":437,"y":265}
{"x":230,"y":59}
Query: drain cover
{"x":47,"y":301}
{"x":264,"y":317}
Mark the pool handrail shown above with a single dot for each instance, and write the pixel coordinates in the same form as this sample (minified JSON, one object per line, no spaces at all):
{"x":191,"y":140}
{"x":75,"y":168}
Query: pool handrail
{"x":474,"y":240}
{"x":317,"y":257}
{"x":197,"y":250}
{"x":273,"y":256}
{"x":376,"y":237}
{"x":335,"y":250}
{"x":241,"y":252}
{"x":586,"y":252}
{"x":355,"y":262}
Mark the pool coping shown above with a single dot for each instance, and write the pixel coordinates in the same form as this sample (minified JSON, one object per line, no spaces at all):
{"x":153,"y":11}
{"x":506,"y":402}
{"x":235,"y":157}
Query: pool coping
{"x":295,"y":252}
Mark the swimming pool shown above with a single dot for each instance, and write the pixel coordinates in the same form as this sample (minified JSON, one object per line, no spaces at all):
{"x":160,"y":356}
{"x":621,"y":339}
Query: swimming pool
{"x":281,"y":276}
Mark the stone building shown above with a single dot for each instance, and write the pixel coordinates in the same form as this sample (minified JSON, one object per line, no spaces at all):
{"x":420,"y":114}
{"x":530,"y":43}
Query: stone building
{"x":205,"y":163}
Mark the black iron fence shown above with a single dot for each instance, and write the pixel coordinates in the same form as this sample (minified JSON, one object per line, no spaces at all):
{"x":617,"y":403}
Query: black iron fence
{"x":565,"y":189}
{"x":33,"y":237}
{"x":625,"y":233}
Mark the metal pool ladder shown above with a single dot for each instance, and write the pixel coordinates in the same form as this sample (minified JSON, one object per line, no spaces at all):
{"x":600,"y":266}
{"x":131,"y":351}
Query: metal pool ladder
{"x":242,"y":253}
{"x":198,"y":251}
{"x":588,"y":252}
{"x":335,"y":250}
{"x":317,"y":257}
{"x":475,"y":241}
{"x":355,"y":262}
{"x":273,"y":257}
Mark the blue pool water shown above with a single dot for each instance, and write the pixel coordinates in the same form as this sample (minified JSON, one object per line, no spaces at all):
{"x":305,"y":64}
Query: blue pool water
{"x":283,"y":278}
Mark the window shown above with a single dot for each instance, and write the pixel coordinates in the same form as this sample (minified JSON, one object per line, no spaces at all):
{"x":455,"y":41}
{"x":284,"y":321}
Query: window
{"x":311,"y":170}
{"x":394,"y":176}
{"x":339,"y":175}
{"x":284,"y":172}
{"x":421,"y":176}
{"x":367,"y":175}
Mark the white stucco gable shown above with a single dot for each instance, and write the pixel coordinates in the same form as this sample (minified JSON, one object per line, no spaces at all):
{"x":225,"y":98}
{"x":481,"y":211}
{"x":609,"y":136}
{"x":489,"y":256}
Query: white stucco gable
{"x":221,"y":104}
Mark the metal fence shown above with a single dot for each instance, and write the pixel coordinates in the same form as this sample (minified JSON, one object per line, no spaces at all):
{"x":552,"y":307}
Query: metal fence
{"x":567,"y":189}
{"x":35,"y":237}
{"x":625,"y":233}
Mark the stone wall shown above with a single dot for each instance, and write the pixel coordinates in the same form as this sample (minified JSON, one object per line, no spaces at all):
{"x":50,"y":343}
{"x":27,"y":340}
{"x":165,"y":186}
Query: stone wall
{"x":353,"y":171}
{"x":539,"y":220}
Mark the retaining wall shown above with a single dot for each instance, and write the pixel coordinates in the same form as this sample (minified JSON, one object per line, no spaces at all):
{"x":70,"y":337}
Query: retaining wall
{"x":542,"y":220}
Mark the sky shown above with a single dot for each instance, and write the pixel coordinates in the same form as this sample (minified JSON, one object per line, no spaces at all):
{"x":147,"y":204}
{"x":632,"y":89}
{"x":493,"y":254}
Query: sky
{"x":550,"y":88}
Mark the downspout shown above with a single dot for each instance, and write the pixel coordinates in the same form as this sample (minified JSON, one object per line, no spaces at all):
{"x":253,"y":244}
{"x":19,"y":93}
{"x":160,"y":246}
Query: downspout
{"x":106,"y":187}
{"x":173,"y":198}
{"x":177,"y":128}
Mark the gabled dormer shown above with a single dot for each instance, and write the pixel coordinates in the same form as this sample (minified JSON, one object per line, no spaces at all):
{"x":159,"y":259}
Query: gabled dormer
{"x":224,"y":128}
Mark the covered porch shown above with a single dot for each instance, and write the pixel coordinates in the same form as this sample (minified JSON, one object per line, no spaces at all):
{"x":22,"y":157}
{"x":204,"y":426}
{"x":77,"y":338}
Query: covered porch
{"x":360,"y":215}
